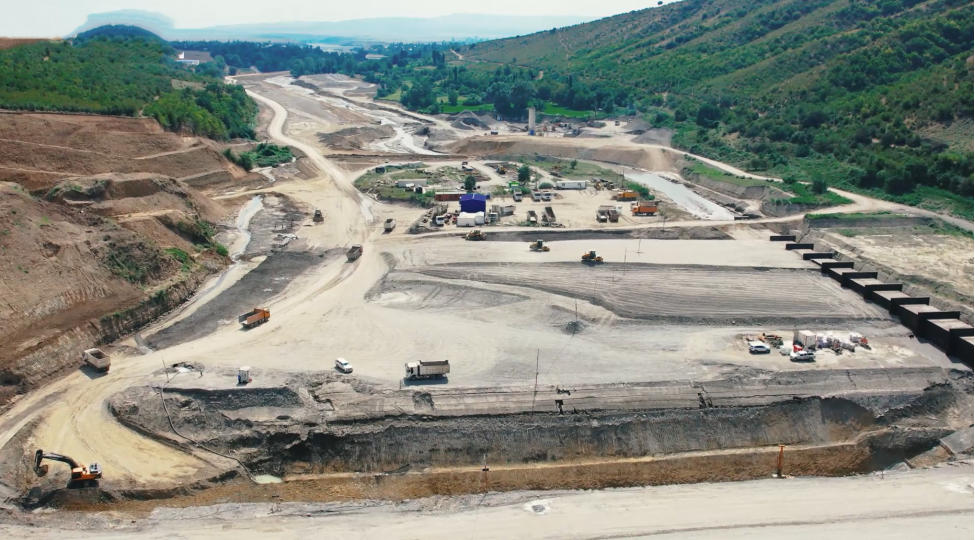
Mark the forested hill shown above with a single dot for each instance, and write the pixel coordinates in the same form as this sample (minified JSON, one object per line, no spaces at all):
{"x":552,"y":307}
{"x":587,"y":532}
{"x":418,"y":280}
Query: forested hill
{"x":124,"y":71}
{"x":871,"y":94}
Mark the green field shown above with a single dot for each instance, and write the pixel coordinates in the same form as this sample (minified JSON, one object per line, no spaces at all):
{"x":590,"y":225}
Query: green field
{"x":720,"y":176}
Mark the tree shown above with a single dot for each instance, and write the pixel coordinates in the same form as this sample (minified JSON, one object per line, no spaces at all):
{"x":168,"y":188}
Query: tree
{"x":524,"y":174}
{"x":708,"y":115}
{"x":819,"y":185}
{"x":452,"y":96}
{"x":470,"y":183}
{"x":573,"y":163}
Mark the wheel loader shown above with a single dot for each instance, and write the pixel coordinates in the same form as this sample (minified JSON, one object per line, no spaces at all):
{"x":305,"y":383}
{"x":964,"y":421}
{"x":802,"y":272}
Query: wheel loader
{"x":81,"y":476}
{"x":591,"y":257}
{"x":538,"y":245}
{"x":476,"y":234}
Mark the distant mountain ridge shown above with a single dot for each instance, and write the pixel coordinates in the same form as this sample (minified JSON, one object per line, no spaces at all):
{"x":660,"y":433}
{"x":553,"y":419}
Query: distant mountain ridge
{"x":461,"y":26}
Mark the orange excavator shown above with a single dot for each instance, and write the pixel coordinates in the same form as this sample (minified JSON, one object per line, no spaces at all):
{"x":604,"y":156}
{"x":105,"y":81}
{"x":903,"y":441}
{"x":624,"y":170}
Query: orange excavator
{"x":81,"y":476}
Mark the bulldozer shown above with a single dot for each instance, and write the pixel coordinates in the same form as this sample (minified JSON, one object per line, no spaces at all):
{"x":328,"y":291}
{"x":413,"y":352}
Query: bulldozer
{"x":476,"y":234}
{"x":81,"y":476}
{"x":318,"y":217}
{"x":591,"y":257}
{"x":538,"y":245}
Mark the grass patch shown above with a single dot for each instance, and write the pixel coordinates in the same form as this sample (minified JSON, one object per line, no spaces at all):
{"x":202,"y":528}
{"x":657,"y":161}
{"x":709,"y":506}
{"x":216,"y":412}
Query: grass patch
{"x":221,"y":250}
{"x":555,"y":110}
{"x":804,"y":195}
{"x":181,"y":256}
{"x":721,"y":176}
{"x":581,"y":171}
{"x":643,"y":190}
{"x":460,"y":107}
{"x":851,"y":216}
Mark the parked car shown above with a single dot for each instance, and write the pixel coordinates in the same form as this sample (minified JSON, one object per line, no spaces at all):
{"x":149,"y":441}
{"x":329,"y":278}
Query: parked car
{"x":802,"y":356}
{"x":758,"y":347}
{"x":343,"y":365}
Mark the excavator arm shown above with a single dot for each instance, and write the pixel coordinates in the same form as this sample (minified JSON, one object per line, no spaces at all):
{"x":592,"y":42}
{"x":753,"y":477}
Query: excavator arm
{"x":41,"y":455}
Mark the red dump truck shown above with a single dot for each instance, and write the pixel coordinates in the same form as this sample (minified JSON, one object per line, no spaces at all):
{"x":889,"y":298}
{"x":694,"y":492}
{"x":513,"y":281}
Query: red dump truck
{"x":434,"y":369}
{"x":254,"y":317}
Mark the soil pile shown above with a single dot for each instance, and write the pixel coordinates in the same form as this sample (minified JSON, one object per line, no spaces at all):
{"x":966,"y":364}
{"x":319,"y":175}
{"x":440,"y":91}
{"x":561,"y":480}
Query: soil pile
{"x":355,"y":138}
{"x":467,"y":121}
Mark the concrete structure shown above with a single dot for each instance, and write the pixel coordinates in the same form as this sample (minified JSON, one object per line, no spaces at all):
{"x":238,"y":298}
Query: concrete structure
{"x":473,"y":202}
{"x":827,"y":264}
{"x":960,"y":442}
{"x":782,"y":238}
{"x":844,"y":275}
{"x":794,"y":245}
{"x":809,"y":254}
{"x":531,"y":120}
{"x":891,"y":299}
{"x":944,"y":332}
{"x":912,"y":315}
{"x":964,"y":349}
{"x":865,"y":286}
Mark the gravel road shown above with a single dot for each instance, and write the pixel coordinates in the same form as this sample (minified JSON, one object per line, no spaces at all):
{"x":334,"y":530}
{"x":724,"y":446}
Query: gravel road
{"x":932,"y":503}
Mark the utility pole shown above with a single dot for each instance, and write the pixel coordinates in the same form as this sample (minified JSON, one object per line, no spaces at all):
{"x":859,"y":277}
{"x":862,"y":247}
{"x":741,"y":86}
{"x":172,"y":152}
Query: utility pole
{"x":535,"y":391}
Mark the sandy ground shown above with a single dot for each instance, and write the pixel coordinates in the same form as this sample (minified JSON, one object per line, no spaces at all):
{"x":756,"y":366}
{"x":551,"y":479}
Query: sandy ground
{"x":381,"y":311}
{"x":933,"y":503}
{"x":947,"y":259}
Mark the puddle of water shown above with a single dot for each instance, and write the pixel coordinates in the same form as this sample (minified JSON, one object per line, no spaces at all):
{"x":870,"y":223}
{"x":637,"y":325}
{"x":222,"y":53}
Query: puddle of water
{"x":267,"y":479}
{"x":681,"y":195}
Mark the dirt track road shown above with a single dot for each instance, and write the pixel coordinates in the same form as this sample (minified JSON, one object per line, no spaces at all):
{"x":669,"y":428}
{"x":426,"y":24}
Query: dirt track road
{"x":933,"y":503}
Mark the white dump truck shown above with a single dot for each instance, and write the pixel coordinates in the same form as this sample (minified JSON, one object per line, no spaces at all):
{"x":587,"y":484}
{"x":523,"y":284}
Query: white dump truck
{"x":389,"y":225}
{"x":96,"y":359}
{"x":434,"y":369}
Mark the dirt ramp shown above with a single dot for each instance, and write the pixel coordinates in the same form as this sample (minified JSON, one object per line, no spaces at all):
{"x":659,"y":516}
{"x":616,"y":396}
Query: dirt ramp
{"x":604,"y":150}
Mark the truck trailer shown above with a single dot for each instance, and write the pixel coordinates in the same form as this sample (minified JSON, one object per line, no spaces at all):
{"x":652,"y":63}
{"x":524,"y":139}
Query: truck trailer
{"x":96,"y":359}
{"x":389,"y":225}
{"x":433,"y":369}
{"x":254,"y":317}
{"x":354,"y":252}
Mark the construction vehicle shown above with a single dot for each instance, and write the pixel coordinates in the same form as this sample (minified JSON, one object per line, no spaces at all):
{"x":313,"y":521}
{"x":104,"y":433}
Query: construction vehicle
{"x":81,"y":476}
{"x":501,"y":170}
{"x":626,"y":195}
{"x":591,"y":257}
{"x":476,"y":234}
{"x":435,"y":369}
{"x":254,"y":317}
{"x":389,"y":225}
{"x":538,"y":245}
{"x":643,"y":209}
{"x":96,"y":359}
{"x":354,"y":252}
{"x":318,"y":217}
{"x":532,"y":218}
{"x":549,"y":214}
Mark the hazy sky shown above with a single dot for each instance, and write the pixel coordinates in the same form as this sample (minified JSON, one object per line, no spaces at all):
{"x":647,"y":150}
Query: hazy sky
{"x":44,"y":18}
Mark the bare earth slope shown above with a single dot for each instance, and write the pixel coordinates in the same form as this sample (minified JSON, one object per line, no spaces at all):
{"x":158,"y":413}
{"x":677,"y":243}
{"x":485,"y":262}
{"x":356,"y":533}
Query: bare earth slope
{"x":97,"y":236}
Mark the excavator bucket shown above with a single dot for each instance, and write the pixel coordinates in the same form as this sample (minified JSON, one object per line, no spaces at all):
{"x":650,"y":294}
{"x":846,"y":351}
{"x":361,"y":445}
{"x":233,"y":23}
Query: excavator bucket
{"x":40,"y":470}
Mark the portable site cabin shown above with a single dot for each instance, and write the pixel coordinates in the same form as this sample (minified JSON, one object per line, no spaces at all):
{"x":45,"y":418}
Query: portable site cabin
{"x":468,"y":219}
{"x":411,"y":182}
{"x":570,"y":184}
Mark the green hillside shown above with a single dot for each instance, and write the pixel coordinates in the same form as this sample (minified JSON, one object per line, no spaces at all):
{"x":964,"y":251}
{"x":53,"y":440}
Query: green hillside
{"x":873,"y":95}
{"x":124,"y":74}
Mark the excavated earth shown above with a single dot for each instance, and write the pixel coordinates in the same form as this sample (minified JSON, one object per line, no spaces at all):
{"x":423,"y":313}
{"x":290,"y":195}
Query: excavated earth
{"x":332,"y":436}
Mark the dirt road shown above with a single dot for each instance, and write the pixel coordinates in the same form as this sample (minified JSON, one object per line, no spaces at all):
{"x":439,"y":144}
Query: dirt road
{"x":933,"y":503}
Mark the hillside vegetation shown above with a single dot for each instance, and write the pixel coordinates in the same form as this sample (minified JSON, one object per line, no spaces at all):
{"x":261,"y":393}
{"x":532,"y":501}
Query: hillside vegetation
{"x":872,"y":95}
{"x":123,"y":75}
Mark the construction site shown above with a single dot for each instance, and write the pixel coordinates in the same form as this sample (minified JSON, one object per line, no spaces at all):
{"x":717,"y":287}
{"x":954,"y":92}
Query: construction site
{"x":379,"y":329}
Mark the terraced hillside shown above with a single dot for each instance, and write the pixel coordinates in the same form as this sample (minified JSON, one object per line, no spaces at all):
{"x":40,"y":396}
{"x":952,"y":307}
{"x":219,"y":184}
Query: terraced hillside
{"x":870,"y":94}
